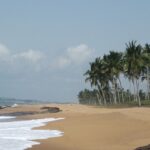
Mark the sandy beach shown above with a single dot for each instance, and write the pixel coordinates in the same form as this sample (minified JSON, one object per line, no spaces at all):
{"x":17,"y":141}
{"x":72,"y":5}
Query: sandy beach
{"x":92,"y":128}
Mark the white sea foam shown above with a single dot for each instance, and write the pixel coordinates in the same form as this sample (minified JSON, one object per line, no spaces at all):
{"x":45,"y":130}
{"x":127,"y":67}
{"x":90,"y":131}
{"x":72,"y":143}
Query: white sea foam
{"x":14,"y":105}
{"x":6,"y":117}
{"x":18,"y":135}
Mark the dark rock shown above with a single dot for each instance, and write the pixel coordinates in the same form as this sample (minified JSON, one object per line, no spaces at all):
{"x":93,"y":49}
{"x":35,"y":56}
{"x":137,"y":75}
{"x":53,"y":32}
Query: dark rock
{"x":52,"y":109}
{"x":147,"y":147}
{"x":2,"y":107}
{"x":20,"y":113}
{"x":45,"y":107}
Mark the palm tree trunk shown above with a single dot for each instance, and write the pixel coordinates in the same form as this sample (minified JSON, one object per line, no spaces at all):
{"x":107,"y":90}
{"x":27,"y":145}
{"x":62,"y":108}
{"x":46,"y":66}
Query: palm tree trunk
{"x":130,"y":91}
{"x":104,"y":98}
{"x":147,"y":78}
{"x":102,"y":92}
{"x":148,"y":82}
{"x":99,"y":99}
{"x":118,"y":95}
{"x":129,"y":96}
{"x":114,"y":91}
{"x":137,"y":92}
{"x":110,"y":99}
{"x":122,"y":96}
{"x":134,"y":88}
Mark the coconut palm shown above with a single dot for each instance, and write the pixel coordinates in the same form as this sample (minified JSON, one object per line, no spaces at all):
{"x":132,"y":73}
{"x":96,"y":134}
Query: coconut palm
{"x":98,"y":78}
{"x":133,"y":65}
{"x":113,"y":63}
{"x":104,"y":74}
{"x":146,"y":72}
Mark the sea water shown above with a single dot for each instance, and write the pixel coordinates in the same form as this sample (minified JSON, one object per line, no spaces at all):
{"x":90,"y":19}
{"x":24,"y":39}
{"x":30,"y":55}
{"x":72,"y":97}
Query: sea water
{"x":11,"y":101}
{"x":19,"y":135}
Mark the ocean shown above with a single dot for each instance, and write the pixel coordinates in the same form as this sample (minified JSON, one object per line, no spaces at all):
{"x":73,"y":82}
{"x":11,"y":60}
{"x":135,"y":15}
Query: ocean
{"x":18,"y":135}
{"x":12,"y":101}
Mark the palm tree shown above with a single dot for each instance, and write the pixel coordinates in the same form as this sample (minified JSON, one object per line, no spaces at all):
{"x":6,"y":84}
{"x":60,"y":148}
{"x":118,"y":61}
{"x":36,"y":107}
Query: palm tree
{"x":113,"y":65}
{"x":133,"y":65}
{"x":104,"y":74}
{"x":87,"y":97}
{"x":146,"y":72}
{"x":98,"y":78}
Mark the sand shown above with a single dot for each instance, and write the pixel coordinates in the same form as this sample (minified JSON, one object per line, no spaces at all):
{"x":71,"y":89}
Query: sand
{"x":93,"y":128}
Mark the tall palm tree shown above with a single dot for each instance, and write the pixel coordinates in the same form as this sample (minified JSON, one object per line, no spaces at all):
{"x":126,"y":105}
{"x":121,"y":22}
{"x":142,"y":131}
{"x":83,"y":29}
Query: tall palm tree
{"x":146,"y":72}
{"x":98,"y":78}
{"x":113,"y":63}
{"x":104,"y":74}
{"x":133,"y":65}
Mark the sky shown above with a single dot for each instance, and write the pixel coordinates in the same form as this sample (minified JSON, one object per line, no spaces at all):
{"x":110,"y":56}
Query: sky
{"x":46,"y":45}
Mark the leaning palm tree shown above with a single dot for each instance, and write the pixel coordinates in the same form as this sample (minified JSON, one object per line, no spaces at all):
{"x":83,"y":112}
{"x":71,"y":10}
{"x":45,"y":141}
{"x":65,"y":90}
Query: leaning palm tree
{"x":146,"y":70}
{"x":133,"y":65}
{"x":98,"y":78}
{"x":113,"y":64}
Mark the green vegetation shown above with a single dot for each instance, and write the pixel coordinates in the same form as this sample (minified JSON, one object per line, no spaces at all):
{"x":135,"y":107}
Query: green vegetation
{"x":105,"y":74}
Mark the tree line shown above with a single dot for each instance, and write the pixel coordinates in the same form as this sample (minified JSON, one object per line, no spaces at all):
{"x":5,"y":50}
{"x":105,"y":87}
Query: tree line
{"x":104,"y":75}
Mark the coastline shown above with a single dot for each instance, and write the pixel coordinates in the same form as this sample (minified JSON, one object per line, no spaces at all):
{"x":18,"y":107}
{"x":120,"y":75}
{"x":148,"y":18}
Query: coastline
{"x":92,"y":128}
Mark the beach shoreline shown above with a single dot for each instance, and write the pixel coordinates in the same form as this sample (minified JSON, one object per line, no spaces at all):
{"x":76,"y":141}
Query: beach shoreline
{"x":91,"y":128}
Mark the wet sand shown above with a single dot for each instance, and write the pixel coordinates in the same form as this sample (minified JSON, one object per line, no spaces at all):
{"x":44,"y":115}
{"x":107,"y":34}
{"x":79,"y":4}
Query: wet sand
{"x":92,"y":128}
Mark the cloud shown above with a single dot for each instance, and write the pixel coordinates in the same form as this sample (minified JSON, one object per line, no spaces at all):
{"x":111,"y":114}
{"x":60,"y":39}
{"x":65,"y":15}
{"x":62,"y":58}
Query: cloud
{"x":79,"y":54}
{"x":61,"y":62}
{"x":37,"y":60}
{"x":3,"y":50}
{"x":74,"y":55}
{"x":30,"y":55}
{"x":29,"y":59}
{"x":4,"y":53}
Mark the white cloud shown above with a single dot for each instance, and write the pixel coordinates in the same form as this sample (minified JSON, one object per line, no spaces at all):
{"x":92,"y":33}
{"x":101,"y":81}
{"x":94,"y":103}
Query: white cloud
{"x":30,"y":55}
{"x":4,"y":53}
{"x":30,"y":59}
{"x":3,"y":50}
{"x":74,"y":55}
{"x":79,"y":54}
{"x":62,"y":62}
